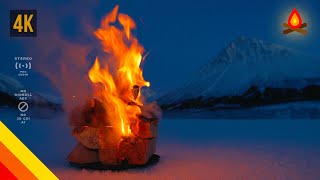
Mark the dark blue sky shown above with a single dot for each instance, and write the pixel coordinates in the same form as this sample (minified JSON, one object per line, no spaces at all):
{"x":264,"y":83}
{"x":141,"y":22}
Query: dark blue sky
{"x":182,"y":35}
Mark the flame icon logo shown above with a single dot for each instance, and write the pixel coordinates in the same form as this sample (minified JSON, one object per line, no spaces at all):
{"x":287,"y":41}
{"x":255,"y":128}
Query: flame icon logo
{"x":295,"y":24}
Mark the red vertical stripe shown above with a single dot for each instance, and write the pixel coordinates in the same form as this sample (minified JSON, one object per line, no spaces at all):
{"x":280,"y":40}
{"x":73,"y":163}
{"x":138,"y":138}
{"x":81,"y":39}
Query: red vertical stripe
{"x":5,"y":174}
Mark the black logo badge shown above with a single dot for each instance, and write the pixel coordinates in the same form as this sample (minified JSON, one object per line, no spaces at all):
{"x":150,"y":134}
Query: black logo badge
{"x":23,"y":23}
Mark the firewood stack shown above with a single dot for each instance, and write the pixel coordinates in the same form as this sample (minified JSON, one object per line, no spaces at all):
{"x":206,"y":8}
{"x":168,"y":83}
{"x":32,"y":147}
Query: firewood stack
{"x":99,"y":142}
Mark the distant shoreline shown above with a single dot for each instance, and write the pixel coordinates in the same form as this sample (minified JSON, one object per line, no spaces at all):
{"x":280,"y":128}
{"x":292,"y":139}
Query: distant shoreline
{"x":292,"y":110}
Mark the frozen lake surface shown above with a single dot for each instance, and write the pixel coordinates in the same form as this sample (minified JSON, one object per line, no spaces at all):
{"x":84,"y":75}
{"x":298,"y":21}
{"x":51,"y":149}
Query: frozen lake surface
{"x":192,"y":148}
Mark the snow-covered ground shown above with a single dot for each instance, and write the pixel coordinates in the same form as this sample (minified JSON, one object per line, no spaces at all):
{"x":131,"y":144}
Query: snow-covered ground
{"x":279,"y":148}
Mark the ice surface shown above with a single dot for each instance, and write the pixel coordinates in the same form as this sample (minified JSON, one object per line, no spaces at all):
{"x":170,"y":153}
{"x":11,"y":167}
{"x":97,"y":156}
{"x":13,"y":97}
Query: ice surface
{"x":281,"y":148}
{"x":292,"y":110}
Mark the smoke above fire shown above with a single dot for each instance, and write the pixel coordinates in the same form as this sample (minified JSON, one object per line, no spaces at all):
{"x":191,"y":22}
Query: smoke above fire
{"x":64,"y":58}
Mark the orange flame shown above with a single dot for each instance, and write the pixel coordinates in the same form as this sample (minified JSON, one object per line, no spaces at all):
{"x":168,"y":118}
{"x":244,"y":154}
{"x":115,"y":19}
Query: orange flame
{"x":294,"y":19}
{"x":121,"y":72}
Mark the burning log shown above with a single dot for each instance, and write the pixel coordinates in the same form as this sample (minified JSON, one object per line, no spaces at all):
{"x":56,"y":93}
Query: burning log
{"x":110,"y":148}
{"x":108,"y":142}
{"x":87,"y":136}
{"x":145,"y":130}
{"x":89,"y":114}
{"x":81,"y":154}
{"x":136,"y":150}
{"x":150,"y":112}
{"x":135,"y":91}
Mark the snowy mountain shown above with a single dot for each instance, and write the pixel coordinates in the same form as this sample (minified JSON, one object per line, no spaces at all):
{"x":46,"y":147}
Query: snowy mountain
{"x":10,"y":86}
{"x":248,"y":63}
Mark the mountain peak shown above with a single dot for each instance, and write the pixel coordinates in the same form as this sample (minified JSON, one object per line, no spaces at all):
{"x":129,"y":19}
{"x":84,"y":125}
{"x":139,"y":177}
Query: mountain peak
{"x":244,"y":48}
{"x":9,"y":84}
{"x":247,"y":62}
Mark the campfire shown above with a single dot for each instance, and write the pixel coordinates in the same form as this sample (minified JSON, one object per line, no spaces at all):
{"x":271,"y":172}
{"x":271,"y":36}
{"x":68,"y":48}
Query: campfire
{"x":115,"y":126}
{"x":295,"y":23}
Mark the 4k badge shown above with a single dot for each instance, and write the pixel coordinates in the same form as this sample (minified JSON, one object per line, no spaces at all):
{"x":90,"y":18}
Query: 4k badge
{"x":23,"y":23}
